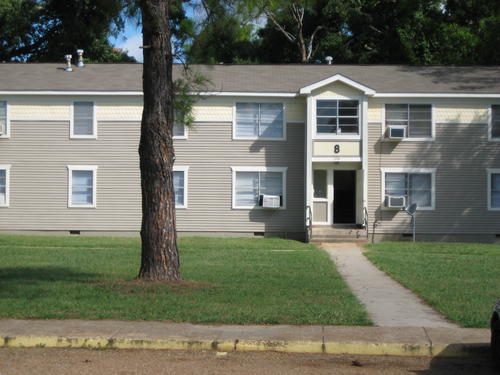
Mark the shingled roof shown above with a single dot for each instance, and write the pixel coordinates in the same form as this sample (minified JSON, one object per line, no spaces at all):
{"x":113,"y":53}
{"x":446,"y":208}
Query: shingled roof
{"x":257,"y":78}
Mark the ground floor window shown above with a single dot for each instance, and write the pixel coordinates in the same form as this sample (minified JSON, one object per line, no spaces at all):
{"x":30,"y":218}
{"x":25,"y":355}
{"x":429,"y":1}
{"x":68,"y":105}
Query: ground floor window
{"x":4,"y":185}
{"x":180,"y":175}
{"x":416,"y":185}
{"x":494,"y":189}
{"x":82,"y":186}
{"x":250,"y":183}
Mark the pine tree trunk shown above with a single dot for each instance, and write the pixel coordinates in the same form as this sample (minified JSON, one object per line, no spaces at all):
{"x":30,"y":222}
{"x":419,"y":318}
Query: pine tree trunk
{"x":160,"y":256}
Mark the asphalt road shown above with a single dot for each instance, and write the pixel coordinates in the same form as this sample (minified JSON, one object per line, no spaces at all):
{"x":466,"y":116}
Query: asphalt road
{"x":42,"y":361}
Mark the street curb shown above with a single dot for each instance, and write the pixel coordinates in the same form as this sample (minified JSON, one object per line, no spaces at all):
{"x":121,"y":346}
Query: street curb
{"x":180,"y":343}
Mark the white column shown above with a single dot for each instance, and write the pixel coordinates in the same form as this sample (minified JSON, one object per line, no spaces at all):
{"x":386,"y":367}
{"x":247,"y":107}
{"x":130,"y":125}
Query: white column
{"x":364,"y":148}
{"x":308,"y":159}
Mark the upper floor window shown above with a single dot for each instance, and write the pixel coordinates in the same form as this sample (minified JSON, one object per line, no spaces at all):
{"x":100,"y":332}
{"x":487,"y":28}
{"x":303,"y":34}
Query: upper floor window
{"x":180,"y":175}
{"x":337,"y":117}
{"x":4,"y":185}
{"x":82,"y":186}
{"x":495,"y":122}
{"x":416,"y":186}
{"x":259,"y":121}
{"x":415,"y":118}
{"x":179,"y":131}
{"x":4,"y":124}
{"x":83,"y":124}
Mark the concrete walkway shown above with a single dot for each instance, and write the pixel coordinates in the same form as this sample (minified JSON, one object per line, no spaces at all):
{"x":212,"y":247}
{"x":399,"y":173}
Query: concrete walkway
{"x":110,"y":334}
{"x":387,"y":302}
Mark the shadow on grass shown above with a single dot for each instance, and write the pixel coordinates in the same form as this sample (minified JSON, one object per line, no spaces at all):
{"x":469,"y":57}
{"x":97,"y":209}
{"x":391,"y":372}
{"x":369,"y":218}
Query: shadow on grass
{"x":17,"y":282}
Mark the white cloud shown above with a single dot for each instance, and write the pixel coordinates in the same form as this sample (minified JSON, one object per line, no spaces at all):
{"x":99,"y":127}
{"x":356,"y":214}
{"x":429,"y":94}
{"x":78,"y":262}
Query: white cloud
{"x":131,"y":45}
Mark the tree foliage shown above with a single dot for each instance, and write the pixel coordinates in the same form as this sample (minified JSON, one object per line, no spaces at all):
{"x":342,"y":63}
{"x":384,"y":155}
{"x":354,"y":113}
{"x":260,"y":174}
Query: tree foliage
{"x":351,"y":31}
{"x":223,"y":34}
{"x":46,"y":30}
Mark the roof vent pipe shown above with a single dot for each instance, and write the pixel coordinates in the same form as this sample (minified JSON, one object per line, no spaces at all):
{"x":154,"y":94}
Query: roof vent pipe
{"x":68,"y":63}
{"x":329,"y":60}
{"x":80,"y":63}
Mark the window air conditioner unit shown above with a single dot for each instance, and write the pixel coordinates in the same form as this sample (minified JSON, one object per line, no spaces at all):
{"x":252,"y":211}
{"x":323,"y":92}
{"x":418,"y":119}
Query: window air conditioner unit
{"x":396,"y":133}
{"x":395,"y":201}
{"x":270,"y":201}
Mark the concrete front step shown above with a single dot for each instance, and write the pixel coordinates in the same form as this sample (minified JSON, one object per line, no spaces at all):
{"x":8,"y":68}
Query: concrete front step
{"x":338,"y":239}
{"x":338,"y":233}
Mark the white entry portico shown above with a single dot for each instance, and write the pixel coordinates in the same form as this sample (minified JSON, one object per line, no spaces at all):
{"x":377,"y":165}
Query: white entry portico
{"x":336,"y":149}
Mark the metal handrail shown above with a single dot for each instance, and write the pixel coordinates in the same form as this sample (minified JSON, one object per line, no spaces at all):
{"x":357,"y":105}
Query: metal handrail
{"x":366,"y":221}
{"x":309,"y":223}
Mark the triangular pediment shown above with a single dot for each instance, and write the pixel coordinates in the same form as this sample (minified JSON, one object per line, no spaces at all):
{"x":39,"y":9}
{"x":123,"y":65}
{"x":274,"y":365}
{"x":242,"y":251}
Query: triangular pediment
{"x":337,"y":78}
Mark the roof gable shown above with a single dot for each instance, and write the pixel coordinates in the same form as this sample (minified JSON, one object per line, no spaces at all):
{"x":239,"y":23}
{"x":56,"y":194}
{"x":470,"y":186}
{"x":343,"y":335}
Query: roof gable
{"x":337,"y":78}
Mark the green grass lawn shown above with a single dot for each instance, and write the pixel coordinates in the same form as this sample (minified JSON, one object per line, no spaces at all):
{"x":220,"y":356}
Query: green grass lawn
{"x":228,"y":281}
{"x":460,"y":280}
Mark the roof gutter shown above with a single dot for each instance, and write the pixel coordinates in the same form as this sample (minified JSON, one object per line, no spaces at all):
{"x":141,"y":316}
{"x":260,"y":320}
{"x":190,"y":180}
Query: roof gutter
{"x":140,"y":93}
{"x":434,"y":95}
{"x":253,"y":94}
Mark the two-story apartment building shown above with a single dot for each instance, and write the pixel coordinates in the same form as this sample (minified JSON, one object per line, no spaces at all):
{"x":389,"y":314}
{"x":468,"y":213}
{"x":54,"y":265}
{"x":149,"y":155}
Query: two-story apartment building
{"x":336,"y":144}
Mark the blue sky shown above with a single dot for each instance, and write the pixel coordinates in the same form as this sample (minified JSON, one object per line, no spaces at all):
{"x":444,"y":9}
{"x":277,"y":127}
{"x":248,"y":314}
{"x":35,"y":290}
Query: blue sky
{"x":130,"y":40}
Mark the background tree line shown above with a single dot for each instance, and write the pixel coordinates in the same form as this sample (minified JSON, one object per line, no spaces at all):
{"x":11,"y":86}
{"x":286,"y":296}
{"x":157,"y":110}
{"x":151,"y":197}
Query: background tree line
{"x":460,"y":32}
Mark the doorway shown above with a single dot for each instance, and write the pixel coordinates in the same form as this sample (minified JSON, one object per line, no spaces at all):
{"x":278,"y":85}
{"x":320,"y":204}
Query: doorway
{"x":344,"y":197}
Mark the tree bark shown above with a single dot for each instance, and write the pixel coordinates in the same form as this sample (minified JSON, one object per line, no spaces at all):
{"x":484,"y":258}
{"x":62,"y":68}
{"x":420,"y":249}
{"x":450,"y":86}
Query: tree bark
{"x":160,"y":256}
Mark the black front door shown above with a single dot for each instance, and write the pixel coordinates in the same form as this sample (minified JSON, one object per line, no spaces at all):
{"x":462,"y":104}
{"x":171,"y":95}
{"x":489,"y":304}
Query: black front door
{"x":344,"y":197}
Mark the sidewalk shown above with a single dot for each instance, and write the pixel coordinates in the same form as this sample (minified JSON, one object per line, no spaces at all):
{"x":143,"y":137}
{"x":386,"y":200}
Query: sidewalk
{"x":108,"y":334}
{"x":387,"y":302}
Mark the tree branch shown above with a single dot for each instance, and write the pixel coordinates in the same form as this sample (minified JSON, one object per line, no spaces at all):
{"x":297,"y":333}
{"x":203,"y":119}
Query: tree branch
{"x":288,"y":35}
{"x":311,"y":41}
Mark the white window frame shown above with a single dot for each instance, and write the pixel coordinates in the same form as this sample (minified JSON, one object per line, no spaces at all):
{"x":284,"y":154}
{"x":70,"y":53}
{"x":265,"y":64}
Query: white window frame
{"x":408,"y":139}
{"x":186,"y":174}
{"x":282,"y":170}
{"x":6,"y":168}
{"x":7,"y":119}
{"x":490,"y":124}
{"x":431,"y":171}
{"x":347,"y":137}
{"x":247,"y":101}
{"x":185,"y":136}
{"x":72,"y":134}
{"x":489,"y":172}
{"x":93,"y":169}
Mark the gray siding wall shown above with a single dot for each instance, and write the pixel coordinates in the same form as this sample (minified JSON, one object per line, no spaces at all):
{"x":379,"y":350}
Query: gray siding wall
{"x":461,"y":154}
{"x":210,"y":153}
{"x":39,"y":153}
